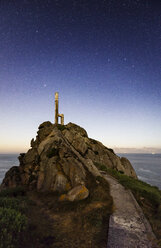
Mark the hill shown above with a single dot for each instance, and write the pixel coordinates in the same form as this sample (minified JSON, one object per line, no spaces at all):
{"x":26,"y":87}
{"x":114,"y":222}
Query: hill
{"x":61,"y":158}
{"x":64,"y":198}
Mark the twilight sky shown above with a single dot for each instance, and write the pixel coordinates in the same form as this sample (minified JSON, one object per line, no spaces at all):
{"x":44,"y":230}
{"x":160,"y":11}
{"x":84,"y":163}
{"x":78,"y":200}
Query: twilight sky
{"x":102,"y":56}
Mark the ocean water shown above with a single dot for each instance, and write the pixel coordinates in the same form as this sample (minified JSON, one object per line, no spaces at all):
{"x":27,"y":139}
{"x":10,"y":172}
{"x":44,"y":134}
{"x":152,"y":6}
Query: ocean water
{"x":6,"y":162}
{"x":147,"y":166}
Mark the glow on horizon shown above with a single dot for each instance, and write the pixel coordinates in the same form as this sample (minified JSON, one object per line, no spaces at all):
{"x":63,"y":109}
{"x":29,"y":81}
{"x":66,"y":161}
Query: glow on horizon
{"x":103,"y":58}
{"x":113,"y":129}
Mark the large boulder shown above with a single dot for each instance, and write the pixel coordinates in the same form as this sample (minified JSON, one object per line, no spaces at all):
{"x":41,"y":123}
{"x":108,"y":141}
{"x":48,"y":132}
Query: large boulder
{"x":78,"y":193}
{"x":61,"y":159}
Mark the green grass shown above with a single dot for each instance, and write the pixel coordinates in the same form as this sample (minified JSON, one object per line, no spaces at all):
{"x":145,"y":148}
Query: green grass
{"x":25,"y":220}
{"x":138,"y":187}
{"x":19,"y":204}
{"x":148,"y":197}
{"x":12,"y":224}
{"x":13,"y":221}
{"x":101,"y":166}
{"x":88,"y":218}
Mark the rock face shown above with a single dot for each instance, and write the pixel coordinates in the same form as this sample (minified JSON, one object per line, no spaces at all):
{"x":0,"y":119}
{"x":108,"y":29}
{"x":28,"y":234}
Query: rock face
{"x":61,"y":159}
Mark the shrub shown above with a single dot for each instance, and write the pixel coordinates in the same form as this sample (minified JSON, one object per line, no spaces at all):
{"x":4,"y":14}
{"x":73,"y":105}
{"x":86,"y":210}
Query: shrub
{"x":13,"y":192}
{"x":121,"y":172}
{"x":100,"y":166}
{"x":14,"y":203}
{"x":61,"y":127}
{"x":12,"y":224}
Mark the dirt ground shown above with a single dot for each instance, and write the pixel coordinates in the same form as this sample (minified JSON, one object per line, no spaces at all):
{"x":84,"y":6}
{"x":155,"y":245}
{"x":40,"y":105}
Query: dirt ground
{"x":55,"y":224}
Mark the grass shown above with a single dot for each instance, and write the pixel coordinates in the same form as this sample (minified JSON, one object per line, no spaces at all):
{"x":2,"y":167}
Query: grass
{"x":140,"y":189}
{"x":13,"y":203}
{"x":13,"y":221}
{"x":101,"y":166}
{"x":12,"y":225}
{"x":59,"y":224}
{"x":41,"y":220}
{"x":87,"y":219}
{"x":148,"y":197}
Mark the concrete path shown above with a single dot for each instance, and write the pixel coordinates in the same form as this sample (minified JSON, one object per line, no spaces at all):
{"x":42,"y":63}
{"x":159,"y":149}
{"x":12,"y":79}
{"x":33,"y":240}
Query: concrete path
{"x":128,"y":227}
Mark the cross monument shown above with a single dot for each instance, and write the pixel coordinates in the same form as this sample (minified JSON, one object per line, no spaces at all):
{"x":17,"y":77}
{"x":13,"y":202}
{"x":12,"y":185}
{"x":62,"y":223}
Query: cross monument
{"x":57,"y":115}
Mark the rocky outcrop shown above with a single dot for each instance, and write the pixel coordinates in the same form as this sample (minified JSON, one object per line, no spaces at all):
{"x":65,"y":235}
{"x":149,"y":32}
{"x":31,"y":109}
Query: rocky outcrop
{"x":61,"y":159}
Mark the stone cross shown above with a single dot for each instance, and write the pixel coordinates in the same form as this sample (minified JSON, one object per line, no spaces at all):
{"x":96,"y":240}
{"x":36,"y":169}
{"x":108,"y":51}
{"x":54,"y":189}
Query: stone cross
{"x":57,"y":115}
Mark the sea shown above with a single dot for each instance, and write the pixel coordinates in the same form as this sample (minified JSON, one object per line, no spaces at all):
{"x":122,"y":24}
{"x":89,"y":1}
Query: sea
{"x":6,"y":162}
{"x":147,"y":166}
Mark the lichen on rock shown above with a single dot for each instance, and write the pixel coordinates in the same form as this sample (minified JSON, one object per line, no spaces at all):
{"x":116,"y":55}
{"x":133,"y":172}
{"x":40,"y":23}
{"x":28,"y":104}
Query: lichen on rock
{"x":61,"y":159}
{"x":78,"y":193}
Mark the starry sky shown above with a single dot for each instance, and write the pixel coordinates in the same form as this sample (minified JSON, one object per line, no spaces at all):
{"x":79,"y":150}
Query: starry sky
{"x":102,"y":56}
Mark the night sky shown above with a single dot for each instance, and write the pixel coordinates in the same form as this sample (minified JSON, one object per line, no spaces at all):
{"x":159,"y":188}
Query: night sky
{"x":102,"y":56}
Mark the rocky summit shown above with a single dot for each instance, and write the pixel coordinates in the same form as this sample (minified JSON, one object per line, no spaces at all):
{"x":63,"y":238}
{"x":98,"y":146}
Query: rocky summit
{"x":61,"y":159}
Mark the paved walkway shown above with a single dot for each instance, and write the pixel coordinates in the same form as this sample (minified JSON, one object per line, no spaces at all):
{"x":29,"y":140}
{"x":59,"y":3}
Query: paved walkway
{"x":128,"y":227}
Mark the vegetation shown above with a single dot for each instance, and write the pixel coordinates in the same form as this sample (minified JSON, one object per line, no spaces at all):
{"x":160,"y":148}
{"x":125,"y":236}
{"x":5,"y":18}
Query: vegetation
{"x":148,"y":197}
{"x":61,"y":127}
{"x":39,"y":219}
{"x":59,"y":224}
{"x":71,"y":224}
{"x":101,"y":166}
{"x":140,"y":189}
{"x":13,"y":192}
{"x":13,"y":221}
{"x":12,"y":224}
{"x":11,"y":203}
